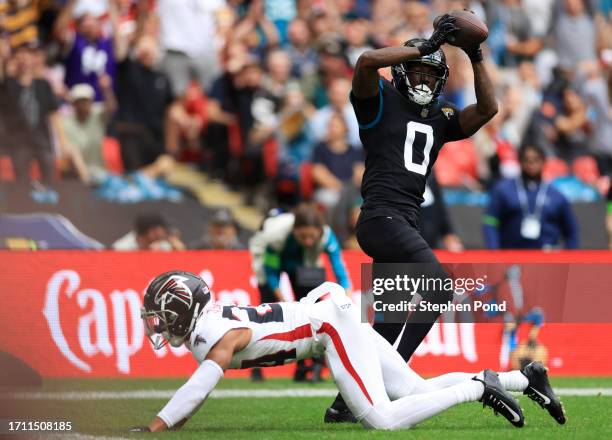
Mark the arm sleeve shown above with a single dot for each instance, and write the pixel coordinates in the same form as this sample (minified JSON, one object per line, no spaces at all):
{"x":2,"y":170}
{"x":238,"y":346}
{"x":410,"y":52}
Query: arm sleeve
{"x":490,"y":220}
{"x":569,"y":225}
{"x":188,"y":398}
{"x":335,"y":258}
{"x":369,"y":110}
{"x":271,"y":266}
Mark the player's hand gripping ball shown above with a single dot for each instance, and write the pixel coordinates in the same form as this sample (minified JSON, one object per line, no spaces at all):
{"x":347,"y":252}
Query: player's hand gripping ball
{"x":471,"y":31}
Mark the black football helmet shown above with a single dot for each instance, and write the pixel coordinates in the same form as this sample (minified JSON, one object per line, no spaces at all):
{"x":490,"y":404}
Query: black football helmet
{"x":172,"y":303}
{"x":421,"y":94}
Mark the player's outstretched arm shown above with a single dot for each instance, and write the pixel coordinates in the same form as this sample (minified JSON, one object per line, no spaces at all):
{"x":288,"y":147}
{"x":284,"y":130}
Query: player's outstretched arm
{"x":365,"y":79}
{"x":476,"y":115}
{"x":190,"y":397}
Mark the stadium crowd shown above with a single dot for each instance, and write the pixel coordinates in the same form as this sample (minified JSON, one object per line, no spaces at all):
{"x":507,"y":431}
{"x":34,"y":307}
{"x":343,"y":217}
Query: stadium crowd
{"x":256,"y":93}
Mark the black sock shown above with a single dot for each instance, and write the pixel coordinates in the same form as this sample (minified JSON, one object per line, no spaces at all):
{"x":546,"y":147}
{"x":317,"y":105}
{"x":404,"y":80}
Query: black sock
{"x":389,"y":331}
{"x":411,"y":338}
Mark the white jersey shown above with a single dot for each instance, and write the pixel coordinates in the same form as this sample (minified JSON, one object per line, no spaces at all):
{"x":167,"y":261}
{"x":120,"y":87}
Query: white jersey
{"x":281,"y":333}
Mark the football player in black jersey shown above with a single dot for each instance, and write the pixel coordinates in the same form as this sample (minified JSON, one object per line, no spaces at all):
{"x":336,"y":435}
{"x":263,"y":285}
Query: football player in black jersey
{"x":403,"y":124}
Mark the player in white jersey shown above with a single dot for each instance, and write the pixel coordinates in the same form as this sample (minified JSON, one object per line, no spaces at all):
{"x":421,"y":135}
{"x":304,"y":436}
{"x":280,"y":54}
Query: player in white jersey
{"x":377,"y":385}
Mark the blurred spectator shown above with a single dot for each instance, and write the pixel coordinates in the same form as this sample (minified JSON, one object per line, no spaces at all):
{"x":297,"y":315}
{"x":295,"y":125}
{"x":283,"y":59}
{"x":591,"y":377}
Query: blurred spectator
{"x":144,"y":96}
{"x":221,"y":233}
{"x":434,"y":222}
{"x":338,"y":93}
{"x":19,"y":21}
{"x":280,"y":12}
{"x":596,"y":94}
{"x":497,"y":157}
{"x":512,"y":39}
{"x":527,"y":213}
{"x":332,"y":66}
{"x":255,"y":30}
{"x":151,"y":233}
{"x":85,"y":127}
{"x":231,"y":98}
{"x":295,"y":139}
{"x":418,"y":21}
{"x":189,"y":39}
{"x":571,"y":126}
{"x":304,"y":58}
{"x":88,"y":53}
{"x":356,"y":38}
{"x":574,"y":33}
{"x":335,"y":164}
{"x":29,"y":114}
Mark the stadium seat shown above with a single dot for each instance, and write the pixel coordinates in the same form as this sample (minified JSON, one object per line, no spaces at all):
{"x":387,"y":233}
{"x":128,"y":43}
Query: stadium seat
{"x":306,"y":180}
{"x":457,"y":162}
{"x":234,"y":139}
{"x":270,"y":157}
{"x":6,"y":169}
{"x":585,"y":168}
{"x":111,"y":151}
{"x":553,"y":168}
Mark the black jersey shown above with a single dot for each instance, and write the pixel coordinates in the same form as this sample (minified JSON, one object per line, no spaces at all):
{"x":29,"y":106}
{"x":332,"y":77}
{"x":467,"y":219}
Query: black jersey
{"x":401,"y":142}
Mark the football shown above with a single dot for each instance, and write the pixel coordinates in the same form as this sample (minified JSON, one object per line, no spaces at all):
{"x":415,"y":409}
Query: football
{"x":472,"y":31}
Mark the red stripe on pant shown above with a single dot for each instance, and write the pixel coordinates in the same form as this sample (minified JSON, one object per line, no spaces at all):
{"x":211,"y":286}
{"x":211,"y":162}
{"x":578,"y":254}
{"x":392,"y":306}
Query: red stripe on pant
{"x":335,"y":337}
{"x":301,"y":332}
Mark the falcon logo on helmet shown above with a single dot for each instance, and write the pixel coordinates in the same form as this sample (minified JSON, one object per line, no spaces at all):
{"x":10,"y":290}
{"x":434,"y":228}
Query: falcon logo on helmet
{"x":175,"y":287}
{"x":172,"y":304}
{"x":421,"y":93}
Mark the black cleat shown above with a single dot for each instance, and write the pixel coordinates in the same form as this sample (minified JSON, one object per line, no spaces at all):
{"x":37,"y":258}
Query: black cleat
{"x":257,"y":375}
{"x":540,"y":391}
{"x":333,"y":415}
{"x":496,"y":397}
{"x":301,"y":371}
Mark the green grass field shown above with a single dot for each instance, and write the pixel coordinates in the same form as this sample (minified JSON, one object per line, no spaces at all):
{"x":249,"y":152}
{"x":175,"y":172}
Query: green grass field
{"x":302,"y":417}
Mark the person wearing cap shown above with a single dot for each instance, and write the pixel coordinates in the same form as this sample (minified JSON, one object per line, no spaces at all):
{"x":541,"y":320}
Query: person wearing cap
{"x":221,"y":233}
{"x":85,"y":127}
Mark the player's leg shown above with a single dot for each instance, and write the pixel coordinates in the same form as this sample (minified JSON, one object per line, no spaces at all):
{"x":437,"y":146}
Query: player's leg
{"x":395,"y":240}
{"x":352,"y":356}
{"x":400,"y":380}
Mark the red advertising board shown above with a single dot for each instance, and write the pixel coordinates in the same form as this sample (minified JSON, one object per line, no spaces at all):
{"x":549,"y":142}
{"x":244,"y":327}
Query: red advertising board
{"x":76,"y":314}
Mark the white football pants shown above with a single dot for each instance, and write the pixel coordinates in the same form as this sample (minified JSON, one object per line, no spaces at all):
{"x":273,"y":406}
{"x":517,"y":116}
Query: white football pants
{"x":380,"y":389}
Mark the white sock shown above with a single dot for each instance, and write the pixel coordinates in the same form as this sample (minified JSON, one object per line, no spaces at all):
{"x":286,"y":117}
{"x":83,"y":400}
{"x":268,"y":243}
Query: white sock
{"x":467,"y":391}
{"x":410,"y":410}
{"x":514,"y":380}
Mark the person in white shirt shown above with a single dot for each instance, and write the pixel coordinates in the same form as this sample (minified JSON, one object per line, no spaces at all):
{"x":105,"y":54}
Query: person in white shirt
{"x":188,"y":33}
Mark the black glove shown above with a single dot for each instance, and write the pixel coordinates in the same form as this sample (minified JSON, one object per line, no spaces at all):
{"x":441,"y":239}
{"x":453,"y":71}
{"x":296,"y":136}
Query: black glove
{"x":140,"y":429}
{"x":474,"y":53}
{"x":444,"y":30}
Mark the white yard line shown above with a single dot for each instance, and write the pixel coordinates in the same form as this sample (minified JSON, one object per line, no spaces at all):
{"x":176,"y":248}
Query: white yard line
{"x":233,"y":393}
